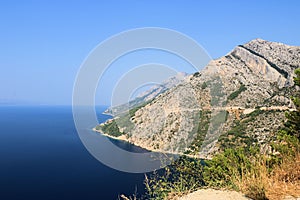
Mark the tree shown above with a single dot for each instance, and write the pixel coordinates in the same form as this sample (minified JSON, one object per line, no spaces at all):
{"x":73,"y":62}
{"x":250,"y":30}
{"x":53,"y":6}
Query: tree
{"x":293,"y":118}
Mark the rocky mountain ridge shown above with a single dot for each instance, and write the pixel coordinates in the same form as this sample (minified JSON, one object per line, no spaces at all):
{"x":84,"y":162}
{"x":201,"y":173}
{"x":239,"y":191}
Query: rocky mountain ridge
{"x":239,"y":99}
{"x":147,"y":95}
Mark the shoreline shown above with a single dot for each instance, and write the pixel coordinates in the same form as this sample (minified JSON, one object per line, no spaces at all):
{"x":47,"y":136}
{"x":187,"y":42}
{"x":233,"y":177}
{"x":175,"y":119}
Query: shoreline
{"x":121,"y":138}
{"x":124,"y":139}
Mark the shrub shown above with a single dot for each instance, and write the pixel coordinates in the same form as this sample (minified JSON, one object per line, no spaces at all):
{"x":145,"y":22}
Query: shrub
{"x":237,"y":92}
{"x":182,"y":176}
{"x":225,"y":167}
{"x":204,"y":85}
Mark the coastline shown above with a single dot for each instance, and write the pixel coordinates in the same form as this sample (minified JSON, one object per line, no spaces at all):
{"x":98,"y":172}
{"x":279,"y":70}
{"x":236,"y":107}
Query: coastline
{"x":121,"y":138}
{"x":124,"y":139}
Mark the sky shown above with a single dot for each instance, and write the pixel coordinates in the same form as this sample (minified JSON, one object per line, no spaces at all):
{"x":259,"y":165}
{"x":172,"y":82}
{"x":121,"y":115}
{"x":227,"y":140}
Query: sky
{"x":44,"y":43}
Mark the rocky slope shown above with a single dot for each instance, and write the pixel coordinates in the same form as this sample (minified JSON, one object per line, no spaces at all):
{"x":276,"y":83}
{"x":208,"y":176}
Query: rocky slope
{"x":147,"y":95}
{"x":238,"y":99}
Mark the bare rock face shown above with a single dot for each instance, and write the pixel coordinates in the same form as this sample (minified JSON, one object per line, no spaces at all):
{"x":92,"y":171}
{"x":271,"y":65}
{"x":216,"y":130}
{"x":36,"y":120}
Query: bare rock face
{"x":283,"y":57}
{"x":238,"y":99}
{"x":165,"y":123}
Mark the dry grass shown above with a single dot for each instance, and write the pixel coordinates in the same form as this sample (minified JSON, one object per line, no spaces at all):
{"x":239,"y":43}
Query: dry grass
{"x":282,"y":181}
{"x":285,"y":179}
{"x":175,"y":195}
{"x":253,"y":183}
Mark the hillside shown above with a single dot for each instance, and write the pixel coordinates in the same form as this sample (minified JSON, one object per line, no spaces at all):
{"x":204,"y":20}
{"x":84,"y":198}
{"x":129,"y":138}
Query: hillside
{"x":146,"y":96}
{"x":238,"y":100}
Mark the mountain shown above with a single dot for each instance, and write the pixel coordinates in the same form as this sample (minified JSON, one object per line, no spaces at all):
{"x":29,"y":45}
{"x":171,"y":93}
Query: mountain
{"x":239,"y":99}
{"x":147,"y":95}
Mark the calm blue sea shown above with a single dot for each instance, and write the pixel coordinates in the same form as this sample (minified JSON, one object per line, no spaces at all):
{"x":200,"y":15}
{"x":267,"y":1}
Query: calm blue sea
{"x":43,"y":158}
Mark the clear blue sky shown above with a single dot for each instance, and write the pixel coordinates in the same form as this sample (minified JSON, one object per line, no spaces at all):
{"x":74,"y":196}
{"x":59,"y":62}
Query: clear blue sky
{"x":43,"y":43}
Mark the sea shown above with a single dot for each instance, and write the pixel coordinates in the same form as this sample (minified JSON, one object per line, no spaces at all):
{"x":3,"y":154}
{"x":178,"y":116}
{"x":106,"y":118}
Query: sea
{"x":42,"y":158}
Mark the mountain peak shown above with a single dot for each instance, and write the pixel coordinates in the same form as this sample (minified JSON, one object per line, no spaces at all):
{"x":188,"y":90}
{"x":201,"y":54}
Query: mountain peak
{"x":258,"y":40}
{"x":263,"y":42}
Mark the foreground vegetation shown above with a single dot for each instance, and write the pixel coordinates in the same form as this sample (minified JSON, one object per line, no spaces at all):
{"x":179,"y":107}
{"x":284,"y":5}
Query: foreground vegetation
{"x":244,"y":169}
{"x":259,"y":177}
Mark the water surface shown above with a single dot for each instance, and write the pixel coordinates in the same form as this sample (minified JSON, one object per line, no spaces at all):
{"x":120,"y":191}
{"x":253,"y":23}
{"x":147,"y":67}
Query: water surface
{"x":43,"y":158}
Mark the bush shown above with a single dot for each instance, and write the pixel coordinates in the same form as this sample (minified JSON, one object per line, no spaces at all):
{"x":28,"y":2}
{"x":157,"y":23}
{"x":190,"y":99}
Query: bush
{"x":182,"y":176}
{"x":225,"y":167}
{"x":204,"y":85}
{"x":237,"y":92}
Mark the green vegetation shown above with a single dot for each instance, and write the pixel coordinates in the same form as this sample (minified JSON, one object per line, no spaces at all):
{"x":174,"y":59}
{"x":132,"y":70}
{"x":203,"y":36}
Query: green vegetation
{"x":292,"y":126}
{"x":196,"y":74}
{"x":133,"y":110}
{"x":204,"y":85}
{"x":110,"y":128}
{"x":258,"y":176}
{"x":219,"y":171}
{"x":202,"y":129}
{"x":237,"y":136}
{"x":182,"y":176}
{"x":113,"y":127}
{"x":255,"y":113}
{"x":216,"y":92}
{"x":237,"y":92}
